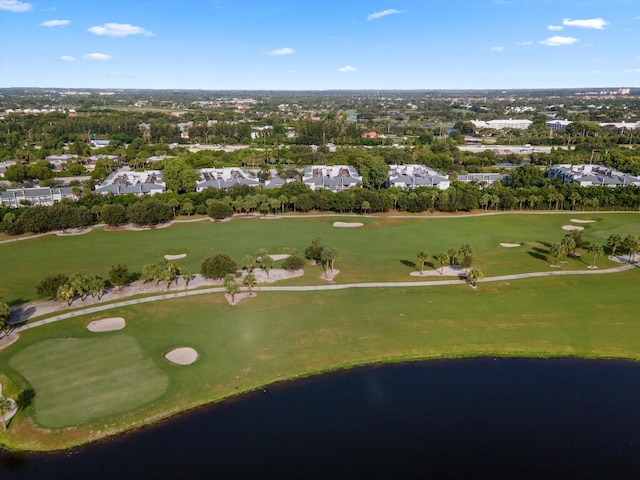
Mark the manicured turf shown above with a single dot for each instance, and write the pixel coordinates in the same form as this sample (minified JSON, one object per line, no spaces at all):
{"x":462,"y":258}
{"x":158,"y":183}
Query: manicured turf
{"x":382,"y":250}
{"x":284,"y":335}
{"x":79,"y":380}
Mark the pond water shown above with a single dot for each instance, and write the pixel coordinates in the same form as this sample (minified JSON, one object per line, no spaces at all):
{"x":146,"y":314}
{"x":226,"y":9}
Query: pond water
{"x":476,"y":418}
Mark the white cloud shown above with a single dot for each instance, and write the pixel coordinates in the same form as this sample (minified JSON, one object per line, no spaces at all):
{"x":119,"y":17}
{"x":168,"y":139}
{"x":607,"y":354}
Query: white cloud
{"x":15,"y":6}
{"x":97,"y":56}
{"x":520,"y":44}
{"x":67,"y":58}
{"x":559,"y":41}
{"x":119,"y":30}
{"x":278,"y":52}
{"x":55,"y":23}
{"x":347,"y":69}
{"x":596,"y":23}
{"x":383,"y":13}
{"x":497,"y":49}
{"x":554,"y":27}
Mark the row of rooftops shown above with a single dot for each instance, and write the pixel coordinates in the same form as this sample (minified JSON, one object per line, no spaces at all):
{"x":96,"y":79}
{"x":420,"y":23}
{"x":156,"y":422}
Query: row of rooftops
{"x":522,"y":124}
{"x":335,"y":178}
{"x":592,"y":175}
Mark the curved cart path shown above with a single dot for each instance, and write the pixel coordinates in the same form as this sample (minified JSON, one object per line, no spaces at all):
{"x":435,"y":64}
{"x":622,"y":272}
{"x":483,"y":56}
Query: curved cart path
{"x":308,"y":288}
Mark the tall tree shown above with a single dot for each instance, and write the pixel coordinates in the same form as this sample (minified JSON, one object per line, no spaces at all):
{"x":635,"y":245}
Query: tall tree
{"x":443,"y":258}
{"x":596,"y":250}
{"x":119,"y":276}
{"x":556,"y":251}
{"x":614,"y":242}
{"x":232,"y":287}
{"x":473,"y":276}
{"x":266,"y":263}
{"x":249,"y":281}
{"x":631,"y":243}
{"x":423,"y":257}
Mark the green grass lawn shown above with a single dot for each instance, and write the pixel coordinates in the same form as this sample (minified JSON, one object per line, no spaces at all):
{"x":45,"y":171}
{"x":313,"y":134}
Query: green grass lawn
{"x":100,"y":384}
{"x":78,"y":380}
{"x":380,"y":250}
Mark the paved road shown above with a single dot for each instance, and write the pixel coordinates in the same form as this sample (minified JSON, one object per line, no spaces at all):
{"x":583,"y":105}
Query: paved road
{"x":309,"y":288}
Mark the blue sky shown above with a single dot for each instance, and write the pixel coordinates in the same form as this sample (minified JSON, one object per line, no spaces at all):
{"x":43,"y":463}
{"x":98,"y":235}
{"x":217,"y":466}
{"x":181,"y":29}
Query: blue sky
{"x":319,"y":44}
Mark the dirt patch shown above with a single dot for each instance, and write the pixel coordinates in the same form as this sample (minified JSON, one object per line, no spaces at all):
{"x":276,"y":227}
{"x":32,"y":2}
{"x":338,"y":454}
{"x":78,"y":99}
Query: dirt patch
{"x":175,"y":257}
{"x":347,"y":224}
{"x":510,"y":245}
{"x":182,"y":356}
{"x":572,"y":227}
{"x":107,"y":324}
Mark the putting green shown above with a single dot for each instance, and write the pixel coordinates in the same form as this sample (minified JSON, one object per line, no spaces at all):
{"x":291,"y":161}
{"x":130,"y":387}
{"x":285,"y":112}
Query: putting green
{"x":72,"y":385}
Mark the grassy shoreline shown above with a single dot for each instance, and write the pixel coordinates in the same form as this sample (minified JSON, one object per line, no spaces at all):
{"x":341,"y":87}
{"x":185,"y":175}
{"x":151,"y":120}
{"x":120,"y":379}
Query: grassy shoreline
{"x":284,"y":336}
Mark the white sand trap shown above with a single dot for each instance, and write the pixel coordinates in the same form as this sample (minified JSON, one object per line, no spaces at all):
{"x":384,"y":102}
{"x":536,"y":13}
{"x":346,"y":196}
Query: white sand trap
{"x":107,"y":324}
{"x":577,"y":220}
{"x":175,"y":257}
{"x":281,"y":256}
{"x":347,"y":224}
{"x":510,"y":245}
{"x":182,"y":356}
{"x":572,"y":227}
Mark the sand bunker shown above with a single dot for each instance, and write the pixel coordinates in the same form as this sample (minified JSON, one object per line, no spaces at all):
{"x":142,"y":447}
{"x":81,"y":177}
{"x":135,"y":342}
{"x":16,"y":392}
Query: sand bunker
{"x":182,"y":356}
{"x":175,"y":257}
{"x":510,"y":245}
{"x":572,"y":227}
{"x":577,"y":220}
{"x":347,"y":224}
{"x":281,"y":256}
{"x":107,"y":324}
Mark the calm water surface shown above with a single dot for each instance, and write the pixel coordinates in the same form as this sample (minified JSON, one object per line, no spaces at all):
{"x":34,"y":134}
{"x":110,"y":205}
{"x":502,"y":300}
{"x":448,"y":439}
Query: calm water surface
{"x":479,"y":418}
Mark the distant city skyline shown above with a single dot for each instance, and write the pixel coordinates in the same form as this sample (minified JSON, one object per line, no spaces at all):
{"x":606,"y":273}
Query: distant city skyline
{"x":320,"y":44}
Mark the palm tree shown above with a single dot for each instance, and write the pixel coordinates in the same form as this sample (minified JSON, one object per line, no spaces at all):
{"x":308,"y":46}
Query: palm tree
{"x":423,"y":257}
{"x":248,"y":262}
{"x":333,"y":254}
{"x":556,"y":251}
{"x":614,"y":242}
{"x":443,"y":258}
{"x":186,"y":275}
{"x":266,"y":263}
{"x":596,"y":250}
{"x":232,"y":287}
{"x":575,"y":197}
{"x":249,"y":281}
{"x":569,"y":243}
{"x":631,"y":243}
{"x":283,"y":201}
{"x":473,"y":276}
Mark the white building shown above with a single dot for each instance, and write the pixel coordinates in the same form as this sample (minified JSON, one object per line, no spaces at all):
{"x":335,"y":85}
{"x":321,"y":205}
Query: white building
{"x":17,"y":197}
{"x":121,"y":182}
{"x":225,"y":178}
{"x":517,"y":123}
{"x":331,"y":177}
{"x":592,"y":175}
{"x":414,"y":176}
